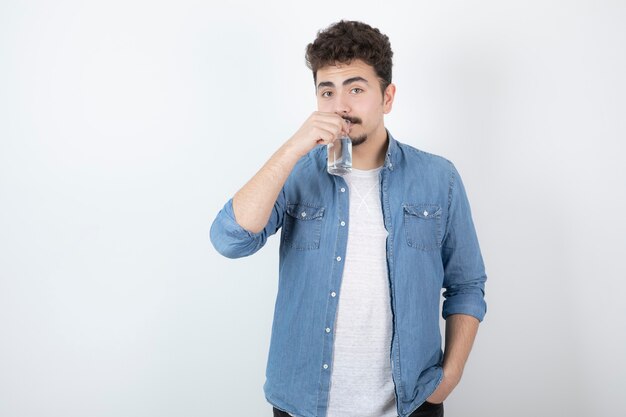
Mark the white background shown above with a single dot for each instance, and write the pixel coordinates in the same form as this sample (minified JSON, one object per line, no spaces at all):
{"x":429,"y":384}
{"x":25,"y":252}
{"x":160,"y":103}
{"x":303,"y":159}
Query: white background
{"x":126,"y":125}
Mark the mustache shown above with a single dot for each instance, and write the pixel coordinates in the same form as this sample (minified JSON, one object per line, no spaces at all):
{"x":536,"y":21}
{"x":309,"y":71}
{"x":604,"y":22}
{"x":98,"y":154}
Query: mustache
{"x":353,"y":120}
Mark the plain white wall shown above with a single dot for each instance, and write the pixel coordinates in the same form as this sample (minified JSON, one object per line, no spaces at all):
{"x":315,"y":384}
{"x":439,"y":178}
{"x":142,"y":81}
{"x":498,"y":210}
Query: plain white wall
{"x":126,"y":125}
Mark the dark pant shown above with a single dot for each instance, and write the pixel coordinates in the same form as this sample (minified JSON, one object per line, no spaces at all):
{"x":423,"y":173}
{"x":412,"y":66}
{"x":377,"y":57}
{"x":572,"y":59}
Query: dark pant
{"x":425,"y":410}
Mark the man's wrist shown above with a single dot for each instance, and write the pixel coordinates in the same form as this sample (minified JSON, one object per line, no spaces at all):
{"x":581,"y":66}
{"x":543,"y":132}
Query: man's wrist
{"x":452,"y":373}
{"x":286,"y":156}
{"x":292,"y":151}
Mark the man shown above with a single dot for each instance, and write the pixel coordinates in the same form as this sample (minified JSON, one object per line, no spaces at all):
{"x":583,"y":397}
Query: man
{"x":364,"y":257}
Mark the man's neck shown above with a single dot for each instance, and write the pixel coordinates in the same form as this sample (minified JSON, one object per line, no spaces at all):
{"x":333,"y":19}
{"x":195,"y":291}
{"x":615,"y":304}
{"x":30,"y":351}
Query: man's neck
{"x":371,"y":153}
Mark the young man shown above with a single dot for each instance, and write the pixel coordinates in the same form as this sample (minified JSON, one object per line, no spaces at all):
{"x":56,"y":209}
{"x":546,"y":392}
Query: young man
{"x":363,"y":257}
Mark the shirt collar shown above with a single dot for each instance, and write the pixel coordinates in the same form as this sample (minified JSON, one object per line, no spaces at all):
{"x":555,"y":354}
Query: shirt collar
{"x":392,"y":152}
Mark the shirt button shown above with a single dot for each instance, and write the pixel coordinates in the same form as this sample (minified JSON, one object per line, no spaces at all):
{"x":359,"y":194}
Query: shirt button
{"x":303,"y":214}
{"x":338,"y":258}
{"x":343,"y":190}
{"x":343,"y":223}
{"x":325,"y":366}
{"x":333,"y":294}
{"x":328,"y":330}
{"x":425,"y":213}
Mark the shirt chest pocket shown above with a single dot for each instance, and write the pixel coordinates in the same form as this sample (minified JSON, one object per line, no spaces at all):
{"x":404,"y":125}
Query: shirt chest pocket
{"x":422,"y":225}
{"x":302,"y":227}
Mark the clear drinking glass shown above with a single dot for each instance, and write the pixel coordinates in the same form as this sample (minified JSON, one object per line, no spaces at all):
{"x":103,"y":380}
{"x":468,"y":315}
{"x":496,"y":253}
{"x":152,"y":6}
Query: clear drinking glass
{"x":339,"y":156}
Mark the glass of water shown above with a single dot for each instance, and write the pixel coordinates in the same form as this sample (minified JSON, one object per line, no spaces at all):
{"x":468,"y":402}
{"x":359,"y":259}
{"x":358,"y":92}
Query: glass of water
{"x":339,"y":156}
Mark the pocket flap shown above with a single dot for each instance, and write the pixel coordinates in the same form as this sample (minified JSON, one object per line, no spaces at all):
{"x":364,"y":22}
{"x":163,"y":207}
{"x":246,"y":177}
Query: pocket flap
{"x":304,"y":211}
{"x":424,"y":211}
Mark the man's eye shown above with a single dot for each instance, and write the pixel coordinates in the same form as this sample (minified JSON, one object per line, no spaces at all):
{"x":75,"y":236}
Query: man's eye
{"x":327,"y":94}
{"x":356,"y":90}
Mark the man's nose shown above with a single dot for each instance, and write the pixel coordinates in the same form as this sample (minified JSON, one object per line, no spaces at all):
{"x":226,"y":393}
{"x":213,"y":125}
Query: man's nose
{"x":341,"y":106}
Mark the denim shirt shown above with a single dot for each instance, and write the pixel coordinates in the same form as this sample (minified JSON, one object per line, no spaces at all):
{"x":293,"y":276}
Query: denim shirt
{"x":432,"y":245}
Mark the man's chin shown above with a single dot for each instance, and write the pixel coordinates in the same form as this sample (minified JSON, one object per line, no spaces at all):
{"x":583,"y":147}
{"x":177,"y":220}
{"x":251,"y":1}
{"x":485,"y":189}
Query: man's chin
{"x":358,"y":140}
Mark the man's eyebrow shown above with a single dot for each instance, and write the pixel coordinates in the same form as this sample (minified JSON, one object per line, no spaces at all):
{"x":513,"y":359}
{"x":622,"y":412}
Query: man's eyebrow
{"x":325,"y":84}
{"x":354,"y":80}
{"x":346,"y":82}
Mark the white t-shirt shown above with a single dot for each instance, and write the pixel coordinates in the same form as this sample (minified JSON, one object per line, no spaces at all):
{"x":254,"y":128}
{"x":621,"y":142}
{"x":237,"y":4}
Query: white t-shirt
{"x":361,"y":381}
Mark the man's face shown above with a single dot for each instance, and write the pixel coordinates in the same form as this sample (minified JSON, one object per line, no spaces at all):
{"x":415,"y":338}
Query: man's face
{"x":353,"y":92}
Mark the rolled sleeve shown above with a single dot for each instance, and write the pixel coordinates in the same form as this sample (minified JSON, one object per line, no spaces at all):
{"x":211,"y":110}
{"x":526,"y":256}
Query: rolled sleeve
{"x":233,"y":241}
{"x":464,"y":270}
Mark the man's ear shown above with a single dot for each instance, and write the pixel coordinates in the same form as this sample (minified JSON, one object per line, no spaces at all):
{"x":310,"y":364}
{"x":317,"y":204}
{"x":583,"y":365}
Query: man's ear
{"x":388,"y":95}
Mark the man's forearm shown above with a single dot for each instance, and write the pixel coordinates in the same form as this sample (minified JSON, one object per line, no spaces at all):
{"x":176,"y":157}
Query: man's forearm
{"x":254,"y":202}
{"x":461,"y":331}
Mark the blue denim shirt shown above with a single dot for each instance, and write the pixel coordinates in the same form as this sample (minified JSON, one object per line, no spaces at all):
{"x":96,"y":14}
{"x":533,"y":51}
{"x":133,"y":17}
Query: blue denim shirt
{"x":432,"y":245}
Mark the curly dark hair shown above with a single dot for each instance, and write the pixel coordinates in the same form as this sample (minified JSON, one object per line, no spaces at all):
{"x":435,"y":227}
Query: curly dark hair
{"x":345,"y":41}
